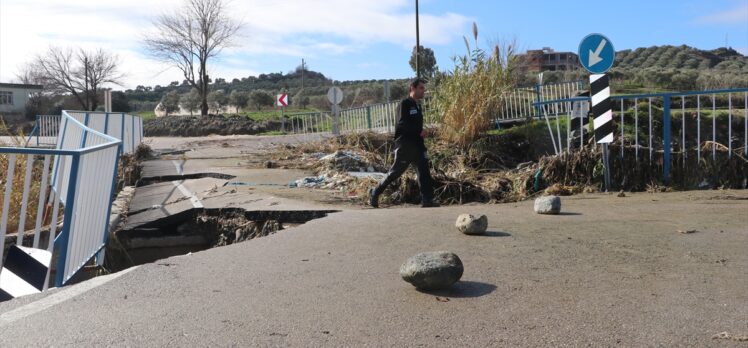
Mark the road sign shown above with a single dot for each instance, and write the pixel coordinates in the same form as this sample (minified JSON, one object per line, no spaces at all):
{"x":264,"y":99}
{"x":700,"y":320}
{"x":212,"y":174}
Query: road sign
{"x":335,"y":95}
{"x":282,"y":99}
{"x":602,"y":112}
{"x":596,"y":53}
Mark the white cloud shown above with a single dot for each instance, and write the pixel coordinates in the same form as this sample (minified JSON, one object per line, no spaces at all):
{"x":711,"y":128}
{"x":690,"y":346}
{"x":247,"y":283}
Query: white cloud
{"x":737,"y":15}
{"x":286,"y":27}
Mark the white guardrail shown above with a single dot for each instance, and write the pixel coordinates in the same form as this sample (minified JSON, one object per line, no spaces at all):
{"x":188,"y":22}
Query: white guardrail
{"x":75,"y":179}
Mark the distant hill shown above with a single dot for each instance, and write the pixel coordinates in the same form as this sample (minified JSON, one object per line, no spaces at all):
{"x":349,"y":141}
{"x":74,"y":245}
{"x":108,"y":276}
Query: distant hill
{"x":664,"y":68}
{"x":314,"y":92}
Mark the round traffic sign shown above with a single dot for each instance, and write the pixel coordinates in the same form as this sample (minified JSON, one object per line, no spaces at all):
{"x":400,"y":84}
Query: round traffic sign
{"x":596,"y":53}
{"x":335,"y":95}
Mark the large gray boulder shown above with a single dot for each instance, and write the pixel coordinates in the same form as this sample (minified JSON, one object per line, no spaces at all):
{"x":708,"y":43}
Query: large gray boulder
{"x":432,"y":270}
{"x":471,"y":224}
{"x":548,"y":205}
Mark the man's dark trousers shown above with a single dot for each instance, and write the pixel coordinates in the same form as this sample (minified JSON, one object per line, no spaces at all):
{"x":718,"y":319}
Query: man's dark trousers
{"x":406,"y":154}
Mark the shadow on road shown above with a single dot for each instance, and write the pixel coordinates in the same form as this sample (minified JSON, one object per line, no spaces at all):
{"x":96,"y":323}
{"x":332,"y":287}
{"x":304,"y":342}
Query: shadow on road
{"x":464,"y":289}
{"x":496,"y":234}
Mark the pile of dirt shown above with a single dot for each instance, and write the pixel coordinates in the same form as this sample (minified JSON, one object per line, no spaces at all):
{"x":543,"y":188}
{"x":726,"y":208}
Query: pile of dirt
{"x":194,"y":126}
{"x":130,"y":168}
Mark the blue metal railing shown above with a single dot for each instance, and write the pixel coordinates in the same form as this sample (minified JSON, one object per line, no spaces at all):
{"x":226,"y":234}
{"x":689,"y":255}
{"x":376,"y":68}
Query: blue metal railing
{"x":667,"y":100}
{"x":81,"y":155}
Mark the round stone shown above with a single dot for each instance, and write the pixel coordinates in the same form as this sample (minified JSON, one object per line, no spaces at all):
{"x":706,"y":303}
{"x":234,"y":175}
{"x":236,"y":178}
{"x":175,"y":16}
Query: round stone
{"x":471,"y":224}
{"x":432,"y":270}
{"x":548,"y":205}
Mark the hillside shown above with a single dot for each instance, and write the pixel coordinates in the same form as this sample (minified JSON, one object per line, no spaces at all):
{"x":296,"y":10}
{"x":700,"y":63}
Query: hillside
{"x":664,"y":68}
{"x":680,"y":57}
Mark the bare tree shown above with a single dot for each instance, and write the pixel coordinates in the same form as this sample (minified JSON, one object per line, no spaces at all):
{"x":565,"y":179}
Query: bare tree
{"x":80,"y":73}
{"x":190,"y":37}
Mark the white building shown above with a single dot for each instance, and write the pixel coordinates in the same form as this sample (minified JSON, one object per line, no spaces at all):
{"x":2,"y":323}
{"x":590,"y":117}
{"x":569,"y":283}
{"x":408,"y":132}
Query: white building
{"x":13,"y":96}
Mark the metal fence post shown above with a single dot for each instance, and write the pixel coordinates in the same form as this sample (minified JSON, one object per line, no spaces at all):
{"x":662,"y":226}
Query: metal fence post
{"x":100,"y":255}
{"x":85,"y":133}
{"x":538,"y":99}
{"x":368,"y":116}
{"x":666,"y":139}
{"x":122,"y":136}
{"x":106,"y":123}
{"x":132,"y":133}
{"x":62,"y":239}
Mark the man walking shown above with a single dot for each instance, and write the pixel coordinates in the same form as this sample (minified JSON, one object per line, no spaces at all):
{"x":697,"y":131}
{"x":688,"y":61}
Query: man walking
{"x":409,"y":134}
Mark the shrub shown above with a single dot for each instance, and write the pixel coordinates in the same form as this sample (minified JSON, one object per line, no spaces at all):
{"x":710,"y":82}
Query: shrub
{"x":467,"y":97}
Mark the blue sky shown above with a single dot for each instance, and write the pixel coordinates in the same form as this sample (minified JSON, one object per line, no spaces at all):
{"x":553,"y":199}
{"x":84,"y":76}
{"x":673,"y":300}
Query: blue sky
{"x":361,"y":39}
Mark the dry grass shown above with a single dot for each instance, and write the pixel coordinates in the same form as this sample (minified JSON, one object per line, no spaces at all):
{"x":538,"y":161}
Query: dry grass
{"x":484,"y":173}
{"x":468,"y":96}
{"x":17,"y":187}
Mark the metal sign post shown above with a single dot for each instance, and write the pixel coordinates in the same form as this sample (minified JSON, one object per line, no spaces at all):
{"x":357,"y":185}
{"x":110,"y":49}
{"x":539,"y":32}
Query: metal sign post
{"x":596,"y":53}
{"x":282,"y":101}
{"x":335,"y":96}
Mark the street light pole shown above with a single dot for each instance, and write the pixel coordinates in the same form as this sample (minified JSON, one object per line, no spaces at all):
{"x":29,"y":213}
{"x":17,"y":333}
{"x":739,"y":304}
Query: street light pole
{"x":418,"y":46}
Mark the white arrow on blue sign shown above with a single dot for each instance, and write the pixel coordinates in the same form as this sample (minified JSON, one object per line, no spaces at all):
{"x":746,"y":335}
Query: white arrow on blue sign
{"x":596,"y":53}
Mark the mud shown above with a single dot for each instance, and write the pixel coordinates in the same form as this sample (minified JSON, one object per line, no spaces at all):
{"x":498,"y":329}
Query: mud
{"x":193,"y":126}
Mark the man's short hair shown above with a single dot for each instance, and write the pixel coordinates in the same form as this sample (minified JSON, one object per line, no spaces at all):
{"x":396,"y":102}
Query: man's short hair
{"x":415,"y":82}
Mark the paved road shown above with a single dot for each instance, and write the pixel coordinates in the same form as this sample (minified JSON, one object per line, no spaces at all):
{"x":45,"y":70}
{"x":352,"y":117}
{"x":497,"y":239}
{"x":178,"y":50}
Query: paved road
{"x":608,"y":272}
{"x":612,"y":271}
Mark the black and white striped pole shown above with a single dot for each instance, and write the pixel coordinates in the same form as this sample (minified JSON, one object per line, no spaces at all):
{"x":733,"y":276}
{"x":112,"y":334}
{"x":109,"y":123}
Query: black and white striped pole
{"x":602,"y":115}
{"x":596,"y":54}
{"x":25,"y":272}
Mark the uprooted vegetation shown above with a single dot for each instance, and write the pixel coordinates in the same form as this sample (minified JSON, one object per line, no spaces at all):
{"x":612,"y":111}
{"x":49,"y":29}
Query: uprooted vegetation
{"x":510,"y":166}
{"x":489,"y":171}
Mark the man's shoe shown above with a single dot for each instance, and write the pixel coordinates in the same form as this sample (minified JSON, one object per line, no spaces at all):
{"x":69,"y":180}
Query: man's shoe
{"x":429,"y":205}
{"x":373,"y":199}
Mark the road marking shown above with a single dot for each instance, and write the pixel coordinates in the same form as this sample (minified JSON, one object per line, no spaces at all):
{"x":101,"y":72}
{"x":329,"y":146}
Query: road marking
{"x":179,"y":167}
{"x":62,"y":296}
{"x":195,"y":201}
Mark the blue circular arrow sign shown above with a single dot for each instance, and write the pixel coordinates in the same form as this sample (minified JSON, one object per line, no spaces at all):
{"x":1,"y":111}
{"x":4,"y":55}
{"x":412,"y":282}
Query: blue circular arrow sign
{"x":596,"y":53}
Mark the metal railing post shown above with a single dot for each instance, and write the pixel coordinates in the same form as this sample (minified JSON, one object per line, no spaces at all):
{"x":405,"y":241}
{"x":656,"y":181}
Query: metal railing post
{"x":666,"y":139}
{"x":62,"y":239}
{"x":368,"y":116}
{"x":538,"y":99}
{"x":106,"y":123}
{"x":100,"y":255}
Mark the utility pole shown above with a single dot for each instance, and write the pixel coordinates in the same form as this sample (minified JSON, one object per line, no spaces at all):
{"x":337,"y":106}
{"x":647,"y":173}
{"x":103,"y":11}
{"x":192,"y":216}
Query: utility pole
{"x":302,"y":74}
{"x":418,"y":46}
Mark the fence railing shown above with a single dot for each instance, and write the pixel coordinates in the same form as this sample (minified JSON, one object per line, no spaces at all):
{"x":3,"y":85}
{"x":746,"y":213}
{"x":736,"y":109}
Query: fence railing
{"x":79,"y":185}
{"x":521,"y":103}
{"x":308,"y":123}
{"x":125,"y":127}
{"x":653,"y":127}
{"x":46,"y":129}
{"x":378,"y":117}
